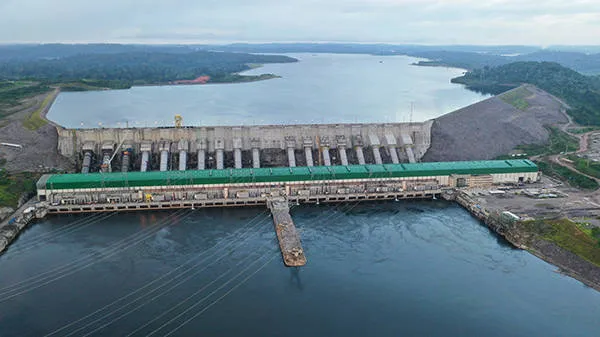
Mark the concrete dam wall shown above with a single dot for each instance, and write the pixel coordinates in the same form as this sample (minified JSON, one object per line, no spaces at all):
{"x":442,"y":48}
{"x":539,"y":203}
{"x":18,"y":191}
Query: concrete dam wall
{"x":190,"y":148}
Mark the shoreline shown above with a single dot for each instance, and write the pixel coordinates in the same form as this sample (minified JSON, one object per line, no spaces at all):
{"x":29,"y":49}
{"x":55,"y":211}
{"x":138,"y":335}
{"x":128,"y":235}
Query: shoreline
{"x":567,"y":262}
{"x":46,"y":109}
{"x":242,"y":79}
{"x":174,"y":84}
{"x":562,"y":268}
{"x":198,"y":84}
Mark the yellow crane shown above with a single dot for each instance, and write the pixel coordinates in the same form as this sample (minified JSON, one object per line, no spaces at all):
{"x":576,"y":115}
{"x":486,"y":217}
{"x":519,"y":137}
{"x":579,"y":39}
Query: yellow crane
{"x":178,"y":121}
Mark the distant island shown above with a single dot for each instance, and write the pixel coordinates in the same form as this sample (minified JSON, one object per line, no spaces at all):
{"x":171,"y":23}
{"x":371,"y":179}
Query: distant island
{"x":228,"y":78}
{"x":83,"y":72}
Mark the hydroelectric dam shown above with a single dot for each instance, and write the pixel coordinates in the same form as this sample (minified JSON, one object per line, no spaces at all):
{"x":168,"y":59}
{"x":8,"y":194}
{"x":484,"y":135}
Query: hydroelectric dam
{"x":142,"y":169}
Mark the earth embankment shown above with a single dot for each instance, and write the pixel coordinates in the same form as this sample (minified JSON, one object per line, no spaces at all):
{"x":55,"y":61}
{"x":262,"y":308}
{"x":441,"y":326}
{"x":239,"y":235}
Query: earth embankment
{"x":37,"y":151}
{"x":495,"y":126}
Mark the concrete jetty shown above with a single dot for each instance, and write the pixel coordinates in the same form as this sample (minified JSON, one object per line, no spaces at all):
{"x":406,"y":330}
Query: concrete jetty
{"x":288,"y":236}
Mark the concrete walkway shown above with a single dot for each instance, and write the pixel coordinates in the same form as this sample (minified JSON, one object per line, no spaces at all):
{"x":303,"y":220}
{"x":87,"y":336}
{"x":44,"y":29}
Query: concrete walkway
{"x":18,"y":212}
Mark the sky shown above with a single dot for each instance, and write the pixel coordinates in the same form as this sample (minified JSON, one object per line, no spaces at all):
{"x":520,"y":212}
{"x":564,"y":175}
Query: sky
{"x":483,"y":22}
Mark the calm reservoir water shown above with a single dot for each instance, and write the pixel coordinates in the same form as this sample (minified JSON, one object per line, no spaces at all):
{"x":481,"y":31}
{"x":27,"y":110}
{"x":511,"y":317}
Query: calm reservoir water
{"x":321,"y":88}
{"x":374,"y":269}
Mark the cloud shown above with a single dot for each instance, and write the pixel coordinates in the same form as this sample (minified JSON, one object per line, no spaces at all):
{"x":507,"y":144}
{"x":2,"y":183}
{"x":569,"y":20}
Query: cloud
{"x":215,"y":21}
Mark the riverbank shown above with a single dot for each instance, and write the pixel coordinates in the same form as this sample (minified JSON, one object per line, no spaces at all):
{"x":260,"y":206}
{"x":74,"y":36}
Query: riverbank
{"x":523,"y":236}
{"x":12,"y":226}
{"x":228,"y":79}
{"x":533,"y":235}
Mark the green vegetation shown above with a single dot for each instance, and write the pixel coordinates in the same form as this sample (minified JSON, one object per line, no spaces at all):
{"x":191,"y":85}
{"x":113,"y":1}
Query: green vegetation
{"x":458,"y":59}
{"x":87,"y":85}
{"x":586,"y":166}
{"x":573,"y":178}
{"x":558,"y":142}
{"x":11,"y":95}
{"x":122,"y":70}
{"x":581,"y":59}
{"x":568,"y":235}
{"x":35,"y":120}
{"x":516,"y":98}
{"x":584,"y":130}
{"x":584,"y":63}
{"x":582,"y":93}
{"x":13,"y":186}
{"x":237,"y":78}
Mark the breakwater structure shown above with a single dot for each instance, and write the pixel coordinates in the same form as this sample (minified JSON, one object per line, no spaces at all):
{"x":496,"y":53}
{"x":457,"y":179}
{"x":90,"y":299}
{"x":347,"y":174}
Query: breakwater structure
{"x":12,"y":227}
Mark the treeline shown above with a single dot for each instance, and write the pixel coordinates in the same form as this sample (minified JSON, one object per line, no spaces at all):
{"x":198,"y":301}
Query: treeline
{"x":11,"y":94}
{"x":459,"y":59}
{"x":584,"y":63}
{"x":583,"y":59}
{"x":121,"y":70}
{"x":581,"y":93}
{"x":60,"y":50}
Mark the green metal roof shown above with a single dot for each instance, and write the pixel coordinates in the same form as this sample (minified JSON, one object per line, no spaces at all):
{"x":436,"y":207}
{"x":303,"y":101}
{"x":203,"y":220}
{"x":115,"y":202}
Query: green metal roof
{"x":281,"y":174}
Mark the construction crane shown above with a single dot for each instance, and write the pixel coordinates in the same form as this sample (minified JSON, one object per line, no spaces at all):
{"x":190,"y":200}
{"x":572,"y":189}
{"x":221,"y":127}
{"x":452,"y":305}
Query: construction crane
{"x":178,"y":121}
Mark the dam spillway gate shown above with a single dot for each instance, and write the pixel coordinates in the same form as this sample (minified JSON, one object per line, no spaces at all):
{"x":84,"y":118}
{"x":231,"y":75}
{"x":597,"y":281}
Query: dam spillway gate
{"x":221,"y":147}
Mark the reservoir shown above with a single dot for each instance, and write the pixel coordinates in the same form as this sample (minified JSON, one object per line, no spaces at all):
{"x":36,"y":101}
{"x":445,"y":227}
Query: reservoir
{"x":374,"y":269}
{"x":321,"y":88}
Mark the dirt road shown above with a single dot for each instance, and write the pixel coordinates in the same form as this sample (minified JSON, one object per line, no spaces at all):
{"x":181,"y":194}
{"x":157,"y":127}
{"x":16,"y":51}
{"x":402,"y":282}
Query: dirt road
{"x":38,"y":152}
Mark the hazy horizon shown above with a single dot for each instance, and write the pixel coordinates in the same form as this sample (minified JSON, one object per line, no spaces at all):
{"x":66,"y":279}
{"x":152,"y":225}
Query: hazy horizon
{"x":423,"y":22}
{"x":216,"y":43}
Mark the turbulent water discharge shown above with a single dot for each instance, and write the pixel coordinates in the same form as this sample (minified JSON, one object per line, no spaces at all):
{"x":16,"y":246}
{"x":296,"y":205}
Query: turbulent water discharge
{"x":374,"y":269}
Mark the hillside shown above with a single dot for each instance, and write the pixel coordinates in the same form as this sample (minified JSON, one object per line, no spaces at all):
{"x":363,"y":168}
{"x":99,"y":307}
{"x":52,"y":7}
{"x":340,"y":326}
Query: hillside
{"x":583,"y":63}
{"x":495,"y":126}
{"x":581,"y":93}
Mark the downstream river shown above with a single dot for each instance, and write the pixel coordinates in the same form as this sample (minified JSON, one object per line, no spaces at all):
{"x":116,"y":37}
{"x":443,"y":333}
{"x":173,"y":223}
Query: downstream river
{"x":321,"y":88}
{"x":374,"y":269}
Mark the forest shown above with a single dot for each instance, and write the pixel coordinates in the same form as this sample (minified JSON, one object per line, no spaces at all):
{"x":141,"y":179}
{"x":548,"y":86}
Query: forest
{"x":580,"y":92}
{"x":584,"y":59}
{"x":122,"y":70}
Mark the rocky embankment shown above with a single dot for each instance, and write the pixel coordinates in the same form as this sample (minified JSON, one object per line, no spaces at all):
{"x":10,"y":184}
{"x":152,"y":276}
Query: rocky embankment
{"x":522,"y":237}
{"x":495,"y":126}
{"x":38,"y":151}
{"x":569,"y":263}
{"x":11,"y":227}
{"x":38,"y":147}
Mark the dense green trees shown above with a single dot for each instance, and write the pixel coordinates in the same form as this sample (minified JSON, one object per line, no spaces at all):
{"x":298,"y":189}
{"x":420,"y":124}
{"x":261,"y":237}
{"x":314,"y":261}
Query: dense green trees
{"x":582,"y":93}
{"x":11,"y":94}
{"x":122,"y":70}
